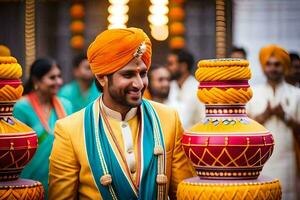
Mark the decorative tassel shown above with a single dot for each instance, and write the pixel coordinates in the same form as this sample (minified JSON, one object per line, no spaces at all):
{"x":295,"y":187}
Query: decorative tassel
{"x":161,"y":179}
{"x":158,"y":150}
{"x":106,"y":180}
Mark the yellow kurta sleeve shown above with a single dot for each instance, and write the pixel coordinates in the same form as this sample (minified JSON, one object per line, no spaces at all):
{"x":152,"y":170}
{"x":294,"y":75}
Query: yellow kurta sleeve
{"x":181,"y":167}
{"x":64,"y":168}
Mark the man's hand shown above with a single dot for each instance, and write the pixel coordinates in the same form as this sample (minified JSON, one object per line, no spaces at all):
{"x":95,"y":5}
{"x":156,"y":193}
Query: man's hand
{"x":265,"y":115}
{"x":279,"y":112}
{"x":287,"y":119}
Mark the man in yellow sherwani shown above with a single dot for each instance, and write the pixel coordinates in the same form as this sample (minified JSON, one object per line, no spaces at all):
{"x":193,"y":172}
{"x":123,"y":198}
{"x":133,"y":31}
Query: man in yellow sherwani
{"x":120,"y":146}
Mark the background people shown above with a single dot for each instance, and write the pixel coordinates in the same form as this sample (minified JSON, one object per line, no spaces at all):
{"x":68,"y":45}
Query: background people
{"x":183,"y":88}
{"x":293,"y":75}
{"x":39,"y":109}
{"x":238,"y":52}
{"x":81,"y":91}
{"x":276,"y":104}
{"x":159,"y":83}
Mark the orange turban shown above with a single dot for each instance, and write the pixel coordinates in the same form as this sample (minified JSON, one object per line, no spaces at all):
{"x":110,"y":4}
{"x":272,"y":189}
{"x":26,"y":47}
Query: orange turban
{"x":273,"y":50}
{"x":115,"y":48}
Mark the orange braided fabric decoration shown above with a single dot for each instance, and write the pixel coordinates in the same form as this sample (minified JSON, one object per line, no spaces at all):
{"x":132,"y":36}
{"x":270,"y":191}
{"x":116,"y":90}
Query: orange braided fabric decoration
{"x":9,"y":68}
{"x":270,"y":190}
{"x":9,"y":93}
{"x":7,"y":59}
{"x":234,"y":70}
{"x":223,"y":73}
{"x":227,"y":96}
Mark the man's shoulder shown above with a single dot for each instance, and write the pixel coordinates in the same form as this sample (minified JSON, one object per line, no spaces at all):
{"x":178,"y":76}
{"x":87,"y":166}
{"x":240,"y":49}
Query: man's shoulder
{"x":189,"y":88}
{"x":165,"y":113}
{"x":293,"y":91}
{"x":173,"y":85}
{"x":161,"y":107}
{"x":192,"y":81}
{"x":292,"y":87}
{"x":72,"y":121}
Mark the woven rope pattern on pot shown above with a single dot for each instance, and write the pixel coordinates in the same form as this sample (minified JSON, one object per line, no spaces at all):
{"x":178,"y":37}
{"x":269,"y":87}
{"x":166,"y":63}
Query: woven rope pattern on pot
{"x":9,"y":93}
{"x":25,"y":192}
{"x":246,"y":191}
{"x":11,"y":88}
{"x":223,"y":73}
{"x":235,"y":74}
{"x":224,"y":96}
{"x":9,"y":68}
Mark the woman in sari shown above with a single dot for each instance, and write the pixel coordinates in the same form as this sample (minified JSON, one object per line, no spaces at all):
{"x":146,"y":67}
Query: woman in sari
{"x":39,"y":109}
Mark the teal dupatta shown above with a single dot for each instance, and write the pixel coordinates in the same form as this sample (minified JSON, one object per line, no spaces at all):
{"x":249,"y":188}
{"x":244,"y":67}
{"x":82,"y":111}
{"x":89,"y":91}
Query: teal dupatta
{"x":103,"y":160}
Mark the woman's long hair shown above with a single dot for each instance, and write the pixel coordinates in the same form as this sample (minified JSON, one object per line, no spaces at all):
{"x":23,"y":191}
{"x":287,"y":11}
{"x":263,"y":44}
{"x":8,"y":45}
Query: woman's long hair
{"x":39,"y":68}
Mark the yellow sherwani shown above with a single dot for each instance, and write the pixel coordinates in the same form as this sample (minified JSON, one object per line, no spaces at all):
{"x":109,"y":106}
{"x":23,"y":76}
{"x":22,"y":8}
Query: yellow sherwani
{"x":70,"y":173}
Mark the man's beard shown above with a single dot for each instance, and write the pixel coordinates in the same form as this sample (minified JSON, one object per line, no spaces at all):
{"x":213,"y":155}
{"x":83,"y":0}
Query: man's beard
{"x":122,"y":97}
{"x":275,"y":76}
{"x":86,"y":80}
{"x":175,"y":76}
{"x":297,"y":76}
{"x":160,"y":94}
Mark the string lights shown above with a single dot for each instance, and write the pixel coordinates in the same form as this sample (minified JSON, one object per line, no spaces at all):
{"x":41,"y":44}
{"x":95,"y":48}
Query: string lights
{"x":118,"y":16}
{"x":158,"y":19}
{"x":77,"y":26}
{"x":177,"y":27}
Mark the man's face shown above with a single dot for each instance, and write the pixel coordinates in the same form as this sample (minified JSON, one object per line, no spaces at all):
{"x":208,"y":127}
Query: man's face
{"x":237,"y":54}
{"x":83,"y":71}
{"x":295,"y":69}
{"x":126,"y":86}
{"x":160,"y":83}
{"x":274,"y":69}
{"x":173,"y":66}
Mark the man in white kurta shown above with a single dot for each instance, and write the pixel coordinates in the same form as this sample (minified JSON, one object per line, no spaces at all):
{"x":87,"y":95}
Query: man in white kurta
{"x":185,"y":100}
{"x":183,"y":89}
{"x":276,"y":105}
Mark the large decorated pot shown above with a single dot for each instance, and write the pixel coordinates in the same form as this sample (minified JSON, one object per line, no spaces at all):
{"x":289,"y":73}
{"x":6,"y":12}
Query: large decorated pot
{"x":226,"y":144}
{"x":18,"y":142}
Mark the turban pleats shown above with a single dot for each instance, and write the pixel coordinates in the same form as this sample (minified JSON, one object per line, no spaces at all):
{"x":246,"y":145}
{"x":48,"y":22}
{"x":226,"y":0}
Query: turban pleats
{"x":278,"y":52}
{"x":114,"y":48}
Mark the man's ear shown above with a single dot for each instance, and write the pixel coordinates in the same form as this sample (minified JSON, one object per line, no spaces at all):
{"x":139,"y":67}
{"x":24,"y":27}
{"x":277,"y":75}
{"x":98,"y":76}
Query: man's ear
{"x":103,"y":80}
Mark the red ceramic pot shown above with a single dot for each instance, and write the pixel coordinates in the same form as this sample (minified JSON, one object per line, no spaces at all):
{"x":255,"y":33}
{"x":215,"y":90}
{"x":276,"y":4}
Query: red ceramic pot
{"x":228,"y":146}
{"x":230,"y":156}
{"x":18,"y":143}
{"x":16,"y":150}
